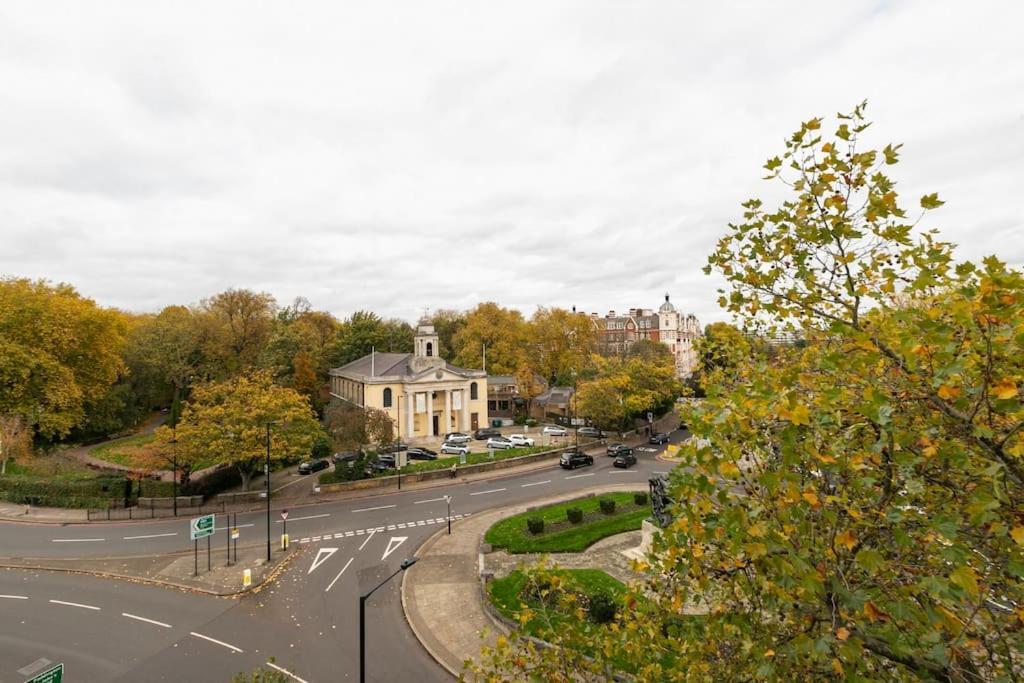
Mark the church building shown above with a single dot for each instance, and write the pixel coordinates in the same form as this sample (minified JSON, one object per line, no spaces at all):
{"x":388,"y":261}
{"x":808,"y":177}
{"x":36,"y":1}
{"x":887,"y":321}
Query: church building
{"x":423,"y":394}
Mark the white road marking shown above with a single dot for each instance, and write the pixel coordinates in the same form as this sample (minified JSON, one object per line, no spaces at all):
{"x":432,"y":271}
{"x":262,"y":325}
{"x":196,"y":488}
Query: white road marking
{"x":296,"y":519}
{"x":329,"y":587}
{"x":77,"y":540}
{"x":536,"y":483}
{"x":360,"y":532}
{"x":577,"y":476}
{"x":316,"y":538}
{"x":148,"y":621}
{"x":401,"y":525}
{"x":218,"y":642}
{"x":621,"y":472}
{"x":368,"y":537}
{"x":286,"y":672}
{"x":132,"y":538}
{"x":304,"y":540}
{"x":322,"y":555}
{"x":429,"y":500}
{"x":393,"y":544}
{"x":658,"y":472}
{"x":349,"y":533}
{"x":391,"y":527}
{"x":74,"y":604}
{"x":379,"y":507}
{"x":480,"y":493}
{"x":15,"y":597}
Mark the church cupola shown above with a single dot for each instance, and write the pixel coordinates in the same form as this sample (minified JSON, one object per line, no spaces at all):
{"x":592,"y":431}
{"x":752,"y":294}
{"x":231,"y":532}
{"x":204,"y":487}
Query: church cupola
{"x":426,"y":352}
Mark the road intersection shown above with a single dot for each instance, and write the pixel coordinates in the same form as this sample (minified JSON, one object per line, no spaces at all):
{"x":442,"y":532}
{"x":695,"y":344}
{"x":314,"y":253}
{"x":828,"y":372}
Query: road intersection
{"x":303,"y":623}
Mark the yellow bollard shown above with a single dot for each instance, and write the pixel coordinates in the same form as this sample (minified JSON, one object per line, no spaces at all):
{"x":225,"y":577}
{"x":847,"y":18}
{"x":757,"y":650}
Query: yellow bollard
{"x":246,"y":578}
{"x":284,"y":541}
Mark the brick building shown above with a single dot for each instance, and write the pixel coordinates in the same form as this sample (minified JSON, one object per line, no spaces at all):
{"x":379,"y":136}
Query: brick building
{"x":618,"y":332}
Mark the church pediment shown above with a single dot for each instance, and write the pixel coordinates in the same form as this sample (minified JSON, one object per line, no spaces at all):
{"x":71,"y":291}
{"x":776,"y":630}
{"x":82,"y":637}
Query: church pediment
{"x":431,"y":375}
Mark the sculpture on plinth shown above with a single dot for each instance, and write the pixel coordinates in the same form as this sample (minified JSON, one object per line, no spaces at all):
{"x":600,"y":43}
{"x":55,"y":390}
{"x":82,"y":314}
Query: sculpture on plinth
{"x":660,"y":500}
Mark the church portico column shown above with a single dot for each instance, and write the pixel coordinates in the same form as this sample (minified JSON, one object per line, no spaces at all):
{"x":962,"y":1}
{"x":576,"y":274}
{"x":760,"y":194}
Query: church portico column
{"x":430,"y":413}
{"x":465,"y":409}
{"x":447,"y":411}
{"x":410,"y":404}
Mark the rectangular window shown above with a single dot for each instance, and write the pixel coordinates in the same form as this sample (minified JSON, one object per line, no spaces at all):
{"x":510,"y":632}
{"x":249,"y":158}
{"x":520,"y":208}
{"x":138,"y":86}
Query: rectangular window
{"x":491,"y":405}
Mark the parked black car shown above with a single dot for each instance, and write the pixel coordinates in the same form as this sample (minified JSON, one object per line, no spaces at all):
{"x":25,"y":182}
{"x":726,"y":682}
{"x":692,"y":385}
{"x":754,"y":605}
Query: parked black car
{"x":615,"y":448}
{"x":660,"y":437}
{"x":485,"y":433}
{"x":313,"y":466}
{"x":570,"y":460}
{"x":592,"y":432}
{"x":384,"y":461}
{"x":421,"y":454}
{"x":625,"y":458}
{"x":394,"y":448}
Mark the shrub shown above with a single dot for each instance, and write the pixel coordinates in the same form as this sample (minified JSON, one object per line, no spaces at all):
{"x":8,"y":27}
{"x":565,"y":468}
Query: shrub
{"x":607,"y":506}
{"x":640,"y":498}
{"x":574,"y":515}
{"x":535,"y":525}
{"x":602,"y":608}
{"x":530,"y":422}
{"x":321,"y":447}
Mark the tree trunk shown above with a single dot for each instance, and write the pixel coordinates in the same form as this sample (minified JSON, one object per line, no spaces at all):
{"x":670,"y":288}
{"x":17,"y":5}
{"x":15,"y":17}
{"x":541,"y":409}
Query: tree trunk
{"x":246,"y":477}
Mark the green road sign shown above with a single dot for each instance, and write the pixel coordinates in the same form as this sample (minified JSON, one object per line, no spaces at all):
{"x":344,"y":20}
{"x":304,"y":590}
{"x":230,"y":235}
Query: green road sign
{"x":51,"y":675}
{"x":201,"y":527}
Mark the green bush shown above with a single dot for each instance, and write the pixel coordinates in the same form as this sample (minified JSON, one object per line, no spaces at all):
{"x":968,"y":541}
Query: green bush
{"x":95,"y":492}
{"x":640,"y":498}
{"x":602,"y":608}
{"x":535,"y":525}
{"x":574,"y":515}
{"x":321,"y":447}
{"x":607,"y":506}
{"x":530,"y":422}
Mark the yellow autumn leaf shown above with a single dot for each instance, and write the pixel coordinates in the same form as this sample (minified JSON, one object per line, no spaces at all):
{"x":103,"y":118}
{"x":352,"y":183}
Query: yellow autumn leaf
{"x":948,"y":393}
{"x":1005,"y":389}
{"x":842,"y":633}
{"x":837,"y":667}
{"x":873,"y":613}
{"x":1017,"y":534}
{"x":769,"y":653}
{"x":847,"y":539}
{"x":812,"y":498}
{"x":800,"y":415}
{"x":728,"y":469}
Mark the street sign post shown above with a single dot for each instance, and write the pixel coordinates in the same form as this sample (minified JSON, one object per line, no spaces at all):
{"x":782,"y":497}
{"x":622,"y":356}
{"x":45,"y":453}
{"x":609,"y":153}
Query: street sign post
{"x":201,"y":527}
{"x":54,"y":674}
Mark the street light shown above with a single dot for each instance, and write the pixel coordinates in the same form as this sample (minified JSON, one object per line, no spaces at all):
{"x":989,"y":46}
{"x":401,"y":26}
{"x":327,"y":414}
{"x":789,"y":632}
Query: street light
{"x":174,"y":463}
{"x":448,"y":500}
{"x":406,"y":563}
{"x":266,"y":475}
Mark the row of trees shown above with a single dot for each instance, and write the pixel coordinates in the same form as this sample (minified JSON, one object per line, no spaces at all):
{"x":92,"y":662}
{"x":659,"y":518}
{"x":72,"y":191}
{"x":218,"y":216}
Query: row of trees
{"x":854,"y":506}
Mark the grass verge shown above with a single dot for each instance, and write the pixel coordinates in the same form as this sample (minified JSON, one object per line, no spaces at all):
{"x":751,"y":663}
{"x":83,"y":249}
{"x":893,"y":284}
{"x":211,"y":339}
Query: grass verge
{"x":559,"y":534}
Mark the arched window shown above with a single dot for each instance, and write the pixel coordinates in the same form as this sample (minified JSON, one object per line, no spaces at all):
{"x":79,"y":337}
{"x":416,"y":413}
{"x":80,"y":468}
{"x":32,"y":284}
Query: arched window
{"x":387,"y":398}
{"x":473,"y":394}
{"x":430,"y":349}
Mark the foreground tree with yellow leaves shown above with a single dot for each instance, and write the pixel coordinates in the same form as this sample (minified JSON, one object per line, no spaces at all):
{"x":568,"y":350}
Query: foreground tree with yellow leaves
{"x":854,"y":509}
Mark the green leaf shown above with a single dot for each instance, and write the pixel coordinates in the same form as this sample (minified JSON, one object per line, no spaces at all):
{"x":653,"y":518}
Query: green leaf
{"x":931,"y":201}
{"x":965,"y":578}
{"x":869,"y":560}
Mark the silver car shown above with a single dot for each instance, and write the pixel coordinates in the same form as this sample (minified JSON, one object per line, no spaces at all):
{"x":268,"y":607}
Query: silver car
{"x":555,"y":430}
{"x":450,"y":448}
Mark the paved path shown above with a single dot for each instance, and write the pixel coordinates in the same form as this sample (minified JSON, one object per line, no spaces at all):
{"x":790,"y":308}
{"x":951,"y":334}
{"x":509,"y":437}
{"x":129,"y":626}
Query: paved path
{"x":442,"y":594}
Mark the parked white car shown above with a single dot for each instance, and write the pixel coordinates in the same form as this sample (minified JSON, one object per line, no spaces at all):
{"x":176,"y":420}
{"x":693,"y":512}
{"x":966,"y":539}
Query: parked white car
{"x":450,"y":448}
{"x":499,"y":443}
{"x":520,"y":439}
{"x":555,"y":430}
{"x":458,"y":437}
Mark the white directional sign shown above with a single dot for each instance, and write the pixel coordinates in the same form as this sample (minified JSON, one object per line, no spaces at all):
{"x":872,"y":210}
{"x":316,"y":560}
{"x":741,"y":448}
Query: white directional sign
{"x":393,"y":544}
{"x":322,"y":555}
{"x":201,"y":527}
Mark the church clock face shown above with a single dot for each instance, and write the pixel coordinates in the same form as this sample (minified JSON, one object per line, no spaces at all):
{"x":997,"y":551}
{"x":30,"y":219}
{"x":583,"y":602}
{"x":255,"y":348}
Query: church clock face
{"x":439,"y":374}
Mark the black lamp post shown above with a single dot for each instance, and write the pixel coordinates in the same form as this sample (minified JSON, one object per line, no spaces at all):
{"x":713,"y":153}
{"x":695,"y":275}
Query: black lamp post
{"x":362,"y":616}
{"x":174,"y":464}
{"x":266,"y":474}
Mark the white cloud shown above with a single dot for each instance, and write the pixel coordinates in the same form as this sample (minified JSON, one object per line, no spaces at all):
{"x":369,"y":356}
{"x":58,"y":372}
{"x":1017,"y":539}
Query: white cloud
{"x":426,"y":154}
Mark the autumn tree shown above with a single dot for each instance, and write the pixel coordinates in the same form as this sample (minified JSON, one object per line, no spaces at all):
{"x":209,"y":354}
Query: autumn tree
{"x":234,"y":326}
{"x":350,"y":427}
{"x":559,"y":343}
{"x":620,"y":389}
{"x":15,"y":440}
{"x":164,"y":351}
{"x":59,"y":355}
{"x":501,"y":330}
{"x":227,"y":422}
{"x":447,"y":324}
{"x":853,"y":507}
{"x":364,"y":332}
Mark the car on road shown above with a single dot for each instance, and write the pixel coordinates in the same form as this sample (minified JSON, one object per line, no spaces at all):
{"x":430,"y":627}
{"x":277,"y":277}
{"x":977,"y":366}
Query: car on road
{"x":385,"y":461}
{"x":615,"y":448}
{"x":394,"y":448}
{"x":457,"y":437}
{"x":570,"y":460}
{"x":421,"y":454}
{"x":555,"y":430}
{"x":312,"y":466}
{"x":592,"y":432}
{"x":625,"y":458}
{"x":449,"y":448}
{"x":500,"y":443}
{"x":520,"y":439}
{"x":485,"y":433}
{"x":660,"y":437}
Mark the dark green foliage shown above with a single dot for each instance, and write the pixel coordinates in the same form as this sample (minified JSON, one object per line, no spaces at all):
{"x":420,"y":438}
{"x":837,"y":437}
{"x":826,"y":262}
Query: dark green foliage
{"x":607,"y":506}
{"x":602,"y":608}
{"x":640,"y":498}
{"x":535,"y":525}
{"x":574,"y":515}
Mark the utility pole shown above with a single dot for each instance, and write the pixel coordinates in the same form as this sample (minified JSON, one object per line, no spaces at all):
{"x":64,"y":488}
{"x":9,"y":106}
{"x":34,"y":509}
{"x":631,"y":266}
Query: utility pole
{"x":266,"y":473}
{"x":174,"y":463}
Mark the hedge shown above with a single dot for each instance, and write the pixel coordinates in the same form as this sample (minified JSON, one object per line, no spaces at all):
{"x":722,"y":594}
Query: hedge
{"x":72,"y":493}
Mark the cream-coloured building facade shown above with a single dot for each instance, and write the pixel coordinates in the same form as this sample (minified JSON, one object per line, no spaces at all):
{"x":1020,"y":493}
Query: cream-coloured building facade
{"x":423,"y":394}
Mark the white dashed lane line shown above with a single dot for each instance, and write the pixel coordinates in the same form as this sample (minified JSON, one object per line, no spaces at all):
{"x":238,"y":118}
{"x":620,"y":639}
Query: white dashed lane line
{"x":148,"y":621}
{"x":536,"y":483}
{"x":218,"y":642}
{"x":428,"y":500}
{"x":77,"y":540}
{"x":14,"y":597}
{"x":481,"y":493}
{"x":286,"y":672}
{"x":577,"y":476}
{"x":297,"y":519}
{"x":379,"y":507}
{"x":75,"y":604}
{"x":370,"y":532}
{"x":132,"y":538}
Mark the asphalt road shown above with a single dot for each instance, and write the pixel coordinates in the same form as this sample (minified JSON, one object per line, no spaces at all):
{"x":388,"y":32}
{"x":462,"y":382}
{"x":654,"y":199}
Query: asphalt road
{"x":307,"y":620}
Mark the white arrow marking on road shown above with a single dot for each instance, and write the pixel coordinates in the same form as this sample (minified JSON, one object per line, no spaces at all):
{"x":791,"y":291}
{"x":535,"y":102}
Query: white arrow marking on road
{"x":322,"y":555}
{"x":393,"y":544}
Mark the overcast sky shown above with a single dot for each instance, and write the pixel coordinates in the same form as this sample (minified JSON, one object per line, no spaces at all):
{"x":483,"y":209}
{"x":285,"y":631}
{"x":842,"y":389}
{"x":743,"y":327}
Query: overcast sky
{"x":426,"y":154}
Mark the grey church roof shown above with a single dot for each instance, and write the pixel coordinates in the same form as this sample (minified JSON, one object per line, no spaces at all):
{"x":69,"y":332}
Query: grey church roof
{"x":387,"y":365}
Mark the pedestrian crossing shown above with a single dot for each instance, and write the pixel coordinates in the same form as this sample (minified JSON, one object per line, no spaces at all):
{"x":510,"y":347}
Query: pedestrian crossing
{"x":378,"y":529}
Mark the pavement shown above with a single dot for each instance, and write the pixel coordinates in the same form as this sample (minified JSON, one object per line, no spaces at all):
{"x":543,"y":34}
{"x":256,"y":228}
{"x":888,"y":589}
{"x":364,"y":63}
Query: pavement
{"x":443,"y":593}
